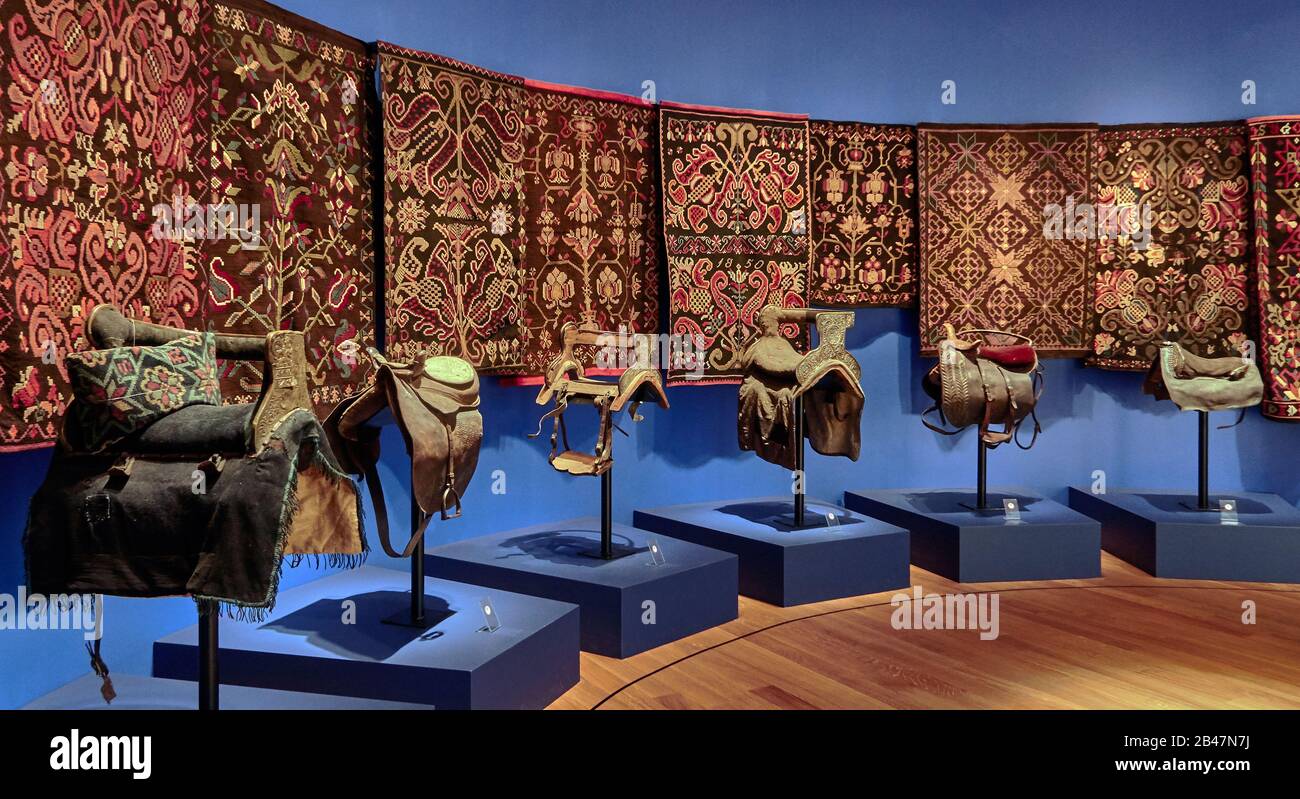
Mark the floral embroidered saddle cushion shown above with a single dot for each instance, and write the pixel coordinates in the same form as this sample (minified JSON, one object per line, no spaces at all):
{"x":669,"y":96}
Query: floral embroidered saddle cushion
{"x":122,"y":390}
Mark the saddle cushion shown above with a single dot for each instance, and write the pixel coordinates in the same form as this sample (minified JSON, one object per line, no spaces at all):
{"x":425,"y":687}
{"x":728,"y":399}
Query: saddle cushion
{"x":121,"y":390}
{"x":1014,"y":356}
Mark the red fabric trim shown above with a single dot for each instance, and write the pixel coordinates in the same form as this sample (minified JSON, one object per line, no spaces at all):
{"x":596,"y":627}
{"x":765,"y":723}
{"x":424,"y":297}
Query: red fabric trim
{"x":25,"y":447}
{"x":737,"y":112}
{"x":387,"y":48}
{"x":582,"y":91}
{"x":1276,"y":118}
{"x":537,"y":380}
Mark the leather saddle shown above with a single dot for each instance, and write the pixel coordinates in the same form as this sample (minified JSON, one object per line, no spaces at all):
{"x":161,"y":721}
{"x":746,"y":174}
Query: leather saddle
{"x":435,"y":405}
{"x":1195,"y":383}
{"x":566,"y":383}
{"x":827,"y":378}
{"x":985,"y":377}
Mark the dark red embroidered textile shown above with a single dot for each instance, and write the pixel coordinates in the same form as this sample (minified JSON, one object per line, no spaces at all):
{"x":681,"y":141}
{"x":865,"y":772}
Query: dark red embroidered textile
{"x":453,"y":210}
{"x":863,"y":214}
{"x":1172,"y":241}
{"x":591,"y":204}
{"x":100,"y":101}
{"x":736,"y":207}
{"x":987,"y":195}
{"x":1275,"y":177}
{"x":289,"y":134}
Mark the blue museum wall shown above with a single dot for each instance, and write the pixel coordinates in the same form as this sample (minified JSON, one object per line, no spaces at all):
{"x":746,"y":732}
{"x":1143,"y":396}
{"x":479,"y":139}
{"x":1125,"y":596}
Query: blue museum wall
{"x":870,"y":61}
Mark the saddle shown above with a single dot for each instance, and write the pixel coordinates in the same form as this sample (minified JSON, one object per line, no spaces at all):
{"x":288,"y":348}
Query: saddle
{"x":566,"y":383}
{"x":1203,"y":384}
{"x":827,"y":378}
{"x":985,"y":377}
{"x":158,"y":489}
{"x":435,"y":405}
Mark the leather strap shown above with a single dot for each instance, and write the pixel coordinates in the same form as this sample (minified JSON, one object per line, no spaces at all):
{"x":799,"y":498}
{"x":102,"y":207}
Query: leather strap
{"x":100,"y":668}
{"x":376,"y":489}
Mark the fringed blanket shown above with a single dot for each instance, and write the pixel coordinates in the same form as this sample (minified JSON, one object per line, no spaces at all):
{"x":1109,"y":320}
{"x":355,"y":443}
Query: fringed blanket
{"x":166,"y":524}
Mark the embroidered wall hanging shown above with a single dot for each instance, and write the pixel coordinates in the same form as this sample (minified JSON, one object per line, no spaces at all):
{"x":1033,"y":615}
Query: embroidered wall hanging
{"x":288,"y":158}
{"x":863,"y":214}
{"x":988,"y":195}
{"x":736,"y":207}
{"x":1275,"y":178}
{"x":98,"y":112}
{"x":591,"y":241}
{"x":453,"y":207}
{"x":1172,"y":241}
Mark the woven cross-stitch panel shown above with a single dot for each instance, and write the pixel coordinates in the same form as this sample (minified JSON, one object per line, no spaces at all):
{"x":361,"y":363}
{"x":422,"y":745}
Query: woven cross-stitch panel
{"x":1275,"y":181}
{"x":289,"y":134}
{"x":736,"y":211}
{"x":863,"y":214}
{"x":591,"y":211}
{"x":986,"y":260}
{"x":99,"y":106}
{"x":453,"y":210}
{"x":1174,"y":258}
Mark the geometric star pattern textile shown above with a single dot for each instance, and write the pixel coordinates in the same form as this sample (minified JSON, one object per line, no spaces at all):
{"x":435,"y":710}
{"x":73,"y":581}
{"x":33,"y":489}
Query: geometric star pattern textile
{"x":737,"y":204}
{"x":1275,"y":177}
{"x":454,"y":141}
{"x":989,"y":257}
{"x":289,"y":133}
{"x":863,"y":214}
{"x":1174,"y":260}
{"x":99,"y":109}
{"x":590,"y":201}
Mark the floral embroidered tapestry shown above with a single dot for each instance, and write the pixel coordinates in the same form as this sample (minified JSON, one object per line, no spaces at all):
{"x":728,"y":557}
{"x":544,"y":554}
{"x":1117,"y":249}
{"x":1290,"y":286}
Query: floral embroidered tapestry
{"x":99,"y":102}
{"x":995,"y":250}
{"x":453,"y":207}
{"x":736,"y":207}
{"x":1275,"y":179}
{"x":863,"y":214}
{"x":591,"y":204}
{"x":289,"y":130}
{"x":1172,"y":241}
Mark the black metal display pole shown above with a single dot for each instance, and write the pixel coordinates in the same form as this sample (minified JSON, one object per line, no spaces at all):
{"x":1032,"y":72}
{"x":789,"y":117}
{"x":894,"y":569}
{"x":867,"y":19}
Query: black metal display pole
{"x":1203,"y":475}
{"x":800,"y":496}
{"x":982,"y":478}
{"x":607,"y":514}
{"x":209,"y":676}
{"x":417,"y":567}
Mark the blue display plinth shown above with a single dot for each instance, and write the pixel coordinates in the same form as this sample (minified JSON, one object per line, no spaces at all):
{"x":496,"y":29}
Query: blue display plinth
{"x":629,"y":604}
{"x":785,"y":566}
{"x":1159,"y":532}
{"x":153,"y":693}
{"x":328,"y":637}
{"x":1050,"y":542}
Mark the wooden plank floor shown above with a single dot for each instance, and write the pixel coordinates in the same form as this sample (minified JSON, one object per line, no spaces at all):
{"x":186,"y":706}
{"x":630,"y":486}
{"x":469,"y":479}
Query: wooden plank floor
{"x":1124,"y":640}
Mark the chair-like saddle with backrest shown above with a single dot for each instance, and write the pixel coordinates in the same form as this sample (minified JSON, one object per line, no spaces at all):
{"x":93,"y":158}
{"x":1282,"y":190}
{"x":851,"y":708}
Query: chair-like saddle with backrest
{"x":828,"y":378}
{"x":157,"y":489}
